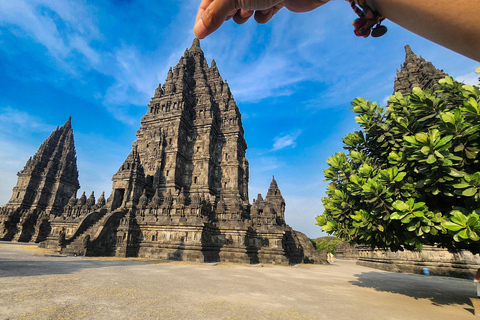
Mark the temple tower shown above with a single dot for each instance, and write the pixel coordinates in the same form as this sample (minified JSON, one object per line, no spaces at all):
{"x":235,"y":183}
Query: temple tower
{"x":416,"y":72}
{"x":44,"y":186}
{"x":275,"y":199}
{"x":50,"y":177}
{"x":192,"y":137}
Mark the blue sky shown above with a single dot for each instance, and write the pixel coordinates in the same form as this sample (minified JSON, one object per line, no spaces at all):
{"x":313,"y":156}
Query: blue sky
{"x":100,"y":61}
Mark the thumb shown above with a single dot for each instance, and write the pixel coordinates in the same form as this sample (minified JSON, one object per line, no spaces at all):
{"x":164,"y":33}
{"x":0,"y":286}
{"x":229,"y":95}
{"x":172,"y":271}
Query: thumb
{"x":211,"y":15}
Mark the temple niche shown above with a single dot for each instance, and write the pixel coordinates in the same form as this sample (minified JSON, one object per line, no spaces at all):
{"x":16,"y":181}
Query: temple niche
{"x":181,"y":193}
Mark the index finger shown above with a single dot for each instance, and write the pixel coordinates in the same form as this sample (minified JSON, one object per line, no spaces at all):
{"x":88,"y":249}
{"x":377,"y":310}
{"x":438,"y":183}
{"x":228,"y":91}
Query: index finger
{"x":201,"y":9}
{"x":211,"y":15}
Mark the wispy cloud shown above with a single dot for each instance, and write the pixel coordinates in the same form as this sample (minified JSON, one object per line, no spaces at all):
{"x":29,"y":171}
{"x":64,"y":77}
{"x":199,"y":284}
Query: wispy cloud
{"x":265,"y":163}
{"x":92,"y":59}
{"x":283,"y":52}
{"x":18,"y":130}
{"x":71,"y":33}
{"x":15,"y":121}
{"x":287,"y":140}
{"x":61,"y":26}
{"x":471,"y":78}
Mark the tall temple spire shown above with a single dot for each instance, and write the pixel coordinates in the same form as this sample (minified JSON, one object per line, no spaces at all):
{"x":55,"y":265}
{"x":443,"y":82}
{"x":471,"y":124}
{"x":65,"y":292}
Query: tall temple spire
{"x":50,"y":177}
{"x":416,"y":72}
{"x":192,"y":137}
{"x":44,"y":186}
{"x":275,"y":199}
{"x":195,"y":44}
{"x":68,"y":124}
{"x":273,"y":190}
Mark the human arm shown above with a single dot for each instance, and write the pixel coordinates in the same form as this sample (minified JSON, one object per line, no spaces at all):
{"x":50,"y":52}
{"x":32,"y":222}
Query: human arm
{"x":454,"y":24}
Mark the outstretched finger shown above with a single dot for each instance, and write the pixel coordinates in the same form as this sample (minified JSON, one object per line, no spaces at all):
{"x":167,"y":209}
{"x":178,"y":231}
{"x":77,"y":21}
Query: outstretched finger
{"x":211,"y":15}
{"x":201,"y":9}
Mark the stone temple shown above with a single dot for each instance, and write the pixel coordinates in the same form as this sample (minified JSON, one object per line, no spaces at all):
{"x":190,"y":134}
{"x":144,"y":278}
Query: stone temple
{"x":181,"y":194}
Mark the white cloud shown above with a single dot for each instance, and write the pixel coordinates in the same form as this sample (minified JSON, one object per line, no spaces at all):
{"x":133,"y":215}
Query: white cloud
{"x":385,"y":100}
{"x":38,"y":19}
{"x":286,"y":140}
{"x":13,"y":120}
{"x":133,"y":74}
{"x":264,"y":163}
{"x":471,"y":78}
{"x":20,"y":136}
{"x":273,"y":67}
{"x":16,"y":128}
{"x":80,"y":44}
{"x":67,"y":30}
{"x":273,"y":75}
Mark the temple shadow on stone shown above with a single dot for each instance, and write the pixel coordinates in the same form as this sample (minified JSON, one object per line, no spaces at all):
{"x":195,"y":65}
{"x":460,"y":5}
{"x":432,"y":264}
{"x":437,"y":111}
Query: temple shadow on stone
{"x":181,"y":193}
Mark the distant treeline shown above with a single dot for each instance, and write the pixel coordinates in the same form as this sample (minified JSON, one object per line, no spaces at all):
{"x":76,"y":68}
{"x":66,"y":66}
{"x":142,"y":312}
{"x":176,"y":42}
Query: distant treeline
{"x":328,"y":244}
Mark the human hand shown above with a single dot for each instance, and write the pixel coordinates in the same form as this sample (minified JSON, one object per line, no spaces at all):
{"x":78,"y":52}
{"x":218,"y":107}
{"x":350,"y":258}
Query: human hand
{"x":212,"y":13}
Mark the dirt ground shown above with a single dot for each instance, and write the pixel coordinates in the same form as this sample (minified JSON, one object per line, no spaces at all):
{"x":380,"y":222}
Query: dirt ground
{"x":39,"y":284}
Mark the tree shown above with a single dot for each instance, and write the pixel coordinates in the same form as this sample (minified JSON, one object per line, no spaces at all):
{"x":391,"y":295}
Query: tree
{"x":411,"y":176}
{"x":328,"y":244}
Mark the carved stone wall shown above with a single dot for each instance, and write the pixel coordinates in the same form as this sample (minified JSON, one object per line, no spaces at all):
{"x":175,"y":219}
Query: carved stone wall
{"x":182,"y":192}
{"x":439,"y":261}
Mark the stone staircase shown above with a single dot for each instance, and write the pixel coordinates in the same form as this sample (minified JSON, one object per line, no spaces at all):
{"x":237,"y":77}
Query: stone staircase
{"x":76,"y":246}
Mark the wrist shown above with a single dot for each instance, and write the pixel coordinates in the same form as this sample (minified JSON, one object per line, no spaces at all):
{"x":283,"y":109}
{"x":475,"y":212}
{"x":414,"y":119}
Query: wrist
{"x":369,"y":19}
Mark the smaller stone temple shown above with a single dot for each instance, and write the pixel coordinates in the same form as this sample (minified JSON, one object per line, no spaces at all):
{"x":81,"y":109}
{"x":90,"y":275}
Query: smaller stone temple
{"x":44,"y":186}
{"x":416,"y":72}
{"x":181,"y":193}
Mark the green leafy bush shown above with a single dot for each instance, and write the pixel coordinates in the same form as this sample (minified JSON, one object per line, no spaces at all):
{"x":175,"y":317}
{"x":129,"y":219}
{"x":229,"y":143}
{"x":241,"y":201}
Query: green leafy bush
{"x":328,"y":244}
{"x":411,"y":176}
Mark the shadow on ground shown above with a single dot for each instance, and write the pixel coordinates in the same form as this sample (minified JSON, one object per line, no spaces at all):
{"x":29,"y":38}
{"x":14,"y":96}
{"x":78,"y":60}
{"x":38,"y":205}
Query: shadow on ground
{"x":22,"y":268}
{"x":23,"y":260}
{"x":439,"y":290}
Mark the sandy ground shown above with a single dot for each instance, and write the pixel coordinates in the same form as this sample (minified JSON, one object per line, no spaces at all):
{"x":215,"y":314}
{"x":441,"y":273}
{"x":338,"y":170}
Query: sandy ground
{"x":39,"y":284}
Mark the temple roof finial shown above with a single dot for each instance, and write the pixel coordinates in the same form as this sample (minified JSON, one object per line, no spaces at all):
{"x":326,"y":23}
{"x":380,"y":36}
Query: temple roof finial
{"x":68,"y":124}
{"x":195,"y":48}
{"x":195,"y":43}
{"x":408,"y":50}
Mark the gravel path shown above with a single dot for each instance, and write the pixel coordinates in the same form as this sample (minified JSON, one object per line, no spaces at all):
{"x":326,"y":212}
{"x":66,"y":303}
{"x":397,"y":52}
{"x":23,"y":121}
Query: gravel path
{"x":38,"y":284}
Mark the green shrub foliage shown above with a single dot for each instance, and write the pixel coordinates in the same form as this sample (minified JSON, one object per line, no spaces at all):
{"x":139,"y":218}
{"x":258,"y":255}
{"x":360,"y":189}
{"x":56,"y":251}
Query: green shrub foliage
{"x":411,"y":176}
{"x":328,"y":245}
